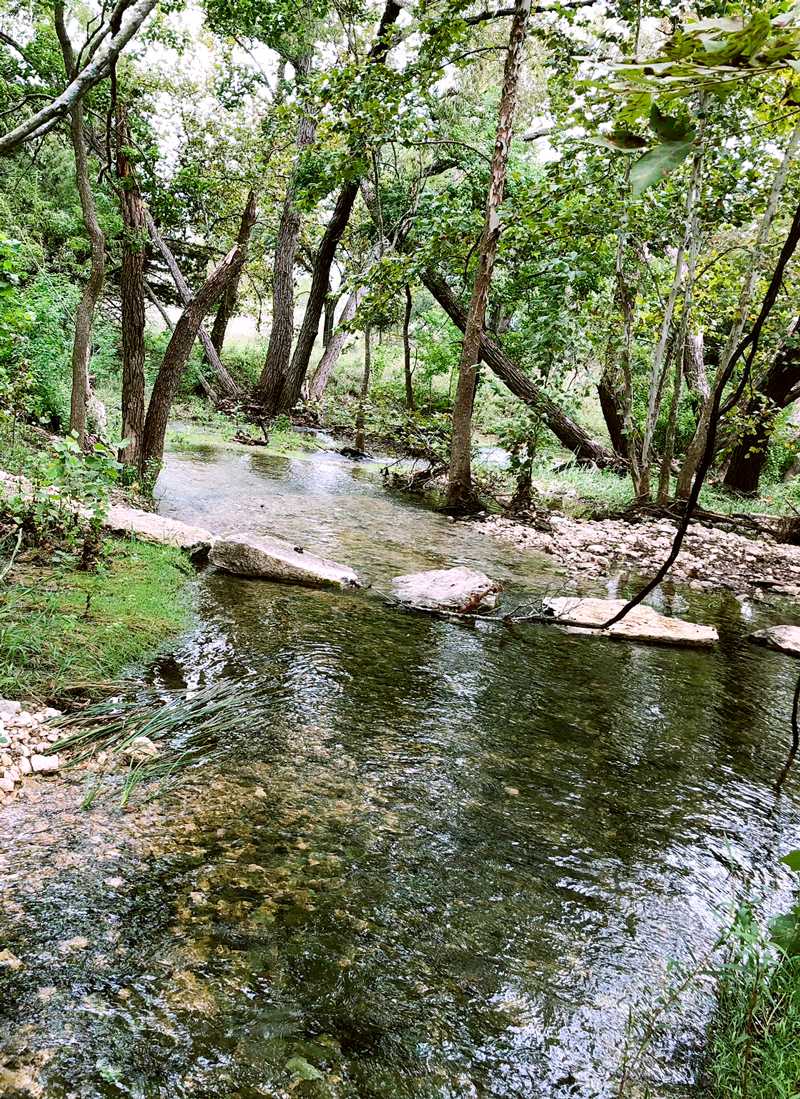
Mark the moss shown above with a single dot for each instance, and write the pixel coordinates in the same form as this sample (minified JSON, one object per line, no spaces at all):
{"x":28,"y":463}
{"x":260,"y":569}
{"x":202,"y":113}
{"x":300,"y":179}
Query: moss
{"x":62,"y":630}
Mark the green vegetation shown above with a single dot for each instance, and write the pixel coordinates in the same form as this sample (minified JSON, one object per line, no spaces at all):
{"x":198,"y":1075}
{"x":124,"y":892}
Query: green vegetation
{"x":65,"y":632}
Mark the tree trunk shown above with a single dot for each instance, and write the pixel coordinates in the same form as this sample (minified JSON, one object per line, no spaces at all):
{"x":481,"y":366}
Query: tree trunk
{"x":132,"y":295}
{"x":227,"y":384}
{"x":329,"y":320}
{"x":694,"y":366}
{"x":282,"y":397}
{"x":776,"y":390}
{"x":407,"y":351}
{"x":672,"y":422}
{"x":566,"y":430}
{"x":227,"y":303}
{"x":460,"y":494}
{"x":273,"y":376}
{"x":697,"y":446}
{"x":177,"y":355}
{"x":327,"y":364}
{"x":84,"y":318}
{"x":359,"y":442}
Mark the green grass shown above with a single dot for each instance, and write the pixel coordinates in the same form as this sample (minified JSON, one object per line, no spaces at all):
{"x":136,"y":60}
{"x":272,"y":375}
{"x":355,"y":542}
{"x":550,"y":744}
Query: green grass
{"x":50,"y":646}
{"x":755,"y":1047}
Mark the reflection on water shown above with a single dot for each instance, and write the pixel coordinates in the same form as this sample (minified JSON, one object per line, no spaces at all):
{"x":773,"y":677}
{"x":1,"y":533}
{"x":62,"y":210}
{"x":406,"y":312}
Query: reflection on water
{"x":443,"y":860}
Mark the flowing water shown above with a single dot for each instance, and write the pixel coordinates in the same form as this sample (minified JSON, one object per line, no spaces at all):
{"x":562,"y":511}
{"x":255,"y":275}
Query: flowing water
{"x":440,"y":860}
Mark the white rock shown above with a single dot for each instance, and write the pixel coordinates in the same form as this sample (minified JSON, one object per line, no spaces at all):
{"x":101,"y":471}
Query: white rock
{"x":53,"y":737}
{"x":25,"y":766}
{"x":784,"y":638}
{"x":155,"y":528}
{"x":459,"y":589}
{"x":50,"y":712}
{"x":7,"y":707}
{"x":44,"y":763}
{"x":640,"y":624}
{"x":5,"y":760}
{"x":7,"y":785}
{"x":271,"y":558}
{"x":141,"y":748}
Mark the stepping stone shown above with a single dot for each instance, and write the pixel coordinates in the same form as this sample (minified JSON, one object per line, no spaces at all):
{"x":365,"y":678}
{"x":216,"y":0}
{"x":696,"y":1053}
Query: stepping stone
{"x":268,"y":558}
{"x":640,"y":624}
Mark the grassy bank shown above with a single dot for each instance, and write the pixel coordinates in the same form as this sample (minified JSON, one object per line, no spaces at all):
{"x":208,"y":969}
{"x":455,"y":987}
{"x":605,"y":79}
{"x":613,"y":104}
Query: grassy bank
{"x":64,"y":632}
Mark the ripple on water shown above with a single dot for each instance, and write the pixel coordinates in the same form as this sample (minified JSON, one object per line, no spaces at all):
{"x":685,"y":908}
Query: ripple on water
{"x":438,"y":861}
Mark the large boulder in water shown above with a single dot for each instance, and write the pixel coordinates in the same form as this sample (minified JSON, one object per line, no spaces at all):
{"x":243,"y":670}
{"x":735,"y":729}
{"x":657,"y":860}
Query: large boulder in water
{"x":149,"y":527}
{"x":784,"y":638}
{"x":461,"y":590}
{"x":643,"y":623}
{"x":269,"y":558}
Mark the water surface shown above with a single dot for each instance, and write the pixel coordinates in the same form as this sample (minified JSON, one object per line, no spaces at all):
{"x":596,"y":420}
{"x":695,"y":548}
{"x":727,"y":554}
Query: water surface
{"x":440,"y":860}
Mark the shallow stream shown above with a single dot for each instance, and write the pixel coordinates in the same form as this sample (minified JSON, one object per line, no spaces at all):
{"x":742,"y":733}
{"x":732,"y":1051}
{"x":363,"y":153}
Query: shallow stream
{"x":442,"y":860}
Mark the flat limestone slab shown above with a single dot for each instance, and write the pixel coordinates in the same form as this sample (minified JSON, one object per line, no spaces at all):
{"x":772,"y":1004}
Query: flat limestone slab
{"x":460,"y":589}
{"x":269,"y":558}
{"x":784,"y":638}
{"x":641,"y":624}
{"x":155,"y":528}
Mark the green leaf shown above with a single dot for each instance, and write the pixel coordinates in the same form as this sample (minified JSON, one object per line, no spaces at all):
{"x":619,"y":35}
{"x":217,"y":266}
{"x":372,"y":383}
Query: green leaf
{"x":299,"y":1066}
{"x":669,"y":128}
{"x":657,"y":164}
{"x":792,"y":860}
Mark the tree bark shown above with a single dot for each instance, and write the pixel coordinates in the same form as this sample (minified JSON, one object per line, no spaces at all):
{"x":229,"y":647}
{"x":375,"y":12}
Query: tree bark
{"x":273,"y":376}
{"x":132,"y":295}
{"x":282,"y":398}
{"x":177,"y":355}
{"x":97,"y":69}
{"x":226,"y":382}
{"x":697,"y":446}
{"x":84,"y":318}
{"x":407,"y":351}
{"x":227,"y":303}
{"x":460,"y":494}
{"x":329,"y":320}
{"x":566,"y":430}
{"x":776,"y":390}
{"x":327,"y":364}
{"x":359,"y":441}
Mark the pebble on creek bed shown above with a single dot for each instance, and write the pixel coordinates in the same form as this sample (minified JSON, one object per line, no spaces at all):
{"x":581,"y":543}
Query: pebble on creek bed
{"x":26,"y":740}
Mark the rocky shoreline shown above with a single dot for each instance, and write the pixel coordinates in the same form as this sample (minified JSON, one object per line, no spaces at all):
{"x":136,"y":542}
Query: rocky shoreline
{"x":712,"y":559}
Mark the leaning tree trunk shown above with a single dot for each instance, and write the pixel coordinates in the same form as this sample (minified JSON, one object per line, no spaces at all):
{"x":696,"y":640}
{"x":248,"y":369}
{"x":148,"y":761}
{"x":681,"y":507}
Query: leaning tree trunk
{"x":407,"y":351}
{"x":132,"y":295}
{"x":226,"y":382}
{"x":177,"y":355}
{"x":227,"y":303}
{"x":776,"y":390}
{"x":279,"y":350}
{"x":565,"y":429}
{"x":282,"y":398}
{"x":322,"y":375}
{"x":84,"y":318}
{"x":460,"y":494}
{"x":697,"y":445}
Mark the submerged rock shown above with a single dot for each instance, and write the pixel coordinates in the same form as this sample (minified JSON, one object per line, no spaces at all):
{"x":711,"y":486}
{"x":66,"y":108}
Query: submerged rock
{"x":640,"y":624}
{"x":269,"y":558}
{"x":462,"y":590}
{"x":784,"y":638}
{"x":155,"y":528}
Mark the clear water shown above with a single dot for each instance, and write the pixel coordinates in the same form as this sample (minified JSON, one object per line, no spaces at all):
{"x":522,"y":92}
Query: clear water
{"x":442,"y":860}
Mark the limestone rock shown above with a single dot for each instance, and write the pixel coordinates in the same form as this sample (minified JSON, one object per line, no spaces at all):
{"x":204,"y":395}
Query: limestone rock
{"x":784,"y":638}
{"x":141,"y":748}
{"x":44,"y":763}
{"x":460,"y":589}
{"x":641,"y":624}
{"x":155,"y":528}
{"x":269,"y":558}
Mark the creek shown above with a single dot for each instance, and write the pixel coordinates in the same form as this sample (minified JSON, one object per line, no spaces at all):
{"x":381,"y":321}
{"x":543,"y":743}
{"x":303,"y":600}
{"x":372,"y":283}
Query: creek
{"x":441,"y":860}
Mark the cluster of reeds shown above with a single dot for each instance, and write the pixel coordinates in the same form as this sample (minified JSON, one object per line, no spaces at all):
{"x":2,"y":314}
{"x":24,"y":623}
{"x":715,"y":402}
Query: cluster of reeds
{"x":187,"y":728}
